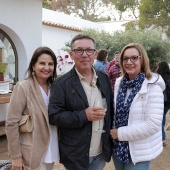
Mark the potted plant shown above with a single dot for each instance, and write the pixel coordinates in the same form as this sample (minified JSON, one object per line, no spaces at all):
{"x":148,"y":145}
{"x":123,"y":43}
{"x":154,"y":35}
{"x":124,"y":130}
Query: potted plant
{"x":3,"y":67}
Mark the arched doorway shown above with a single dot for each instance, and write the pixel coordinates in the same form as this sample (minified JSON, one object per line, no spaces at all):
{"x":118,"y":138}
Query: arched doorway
{"x":8,"y":54}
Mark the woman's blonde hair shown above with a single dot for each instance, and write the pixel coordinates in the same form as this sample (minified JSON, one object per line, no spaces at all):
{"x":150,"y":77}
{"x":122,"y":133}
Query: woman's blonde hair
{"x":144,"y":59}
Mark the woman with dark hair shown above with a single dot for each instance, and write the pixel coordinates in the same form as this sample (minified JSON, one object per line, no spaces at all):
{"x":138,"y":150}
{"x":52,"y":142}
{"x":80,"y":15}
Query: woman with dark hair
{"x":164,"y":70}
{"x":37,"y":149}
{"x":101,"y":62}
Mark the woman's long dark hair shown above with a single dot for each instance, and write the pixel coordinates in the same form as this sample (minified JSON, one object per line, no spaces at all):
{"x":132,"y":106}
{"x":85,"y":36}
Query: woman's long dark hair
{"x":164,"y":70}
{"x":37,"y":53}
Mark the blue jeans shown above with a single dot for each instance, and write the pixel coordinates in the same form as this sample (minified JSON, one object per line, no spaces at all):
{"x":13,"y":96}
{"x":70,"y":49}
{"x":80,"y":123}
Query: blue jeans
{"x":130,"y":166}
{"x":166,"y":108}
{"x":96,"y":162}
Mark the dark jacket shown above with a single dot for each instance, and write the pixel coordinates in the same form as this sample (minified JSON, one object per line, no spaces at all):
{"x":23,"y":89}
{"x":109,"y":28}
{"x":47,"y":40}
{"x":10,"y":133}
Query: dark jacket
{"x":166,"y":92}
{"x":67,"y":106}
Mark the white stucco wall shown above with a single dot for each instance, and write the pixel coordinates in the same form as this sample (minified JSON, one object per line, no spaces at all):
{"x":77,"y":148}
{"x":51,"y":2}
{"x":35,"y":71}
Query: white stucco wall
{"x":112,"y":26}
{"x":56,"y":38}
{"x":62,"y":18}
{"x":21,"y":20}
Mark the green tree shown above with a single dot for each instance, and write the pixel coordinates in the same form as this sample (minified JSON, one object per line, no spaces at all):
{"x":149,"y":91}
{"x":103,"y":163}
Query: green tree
{"x":131,"y":26}
{"x":126,"y":5}
{"x":92,"y":10}
{"x":47,"y":4}
{"x":155,"y":13}
{"x":157,"y":49}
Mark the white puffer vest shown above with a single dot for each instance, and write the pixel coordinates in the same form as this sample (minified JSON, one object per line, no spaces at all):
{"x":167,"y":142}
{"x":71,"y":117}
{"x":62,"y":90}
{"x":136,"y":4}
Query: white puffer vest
{"x":145,"y":117}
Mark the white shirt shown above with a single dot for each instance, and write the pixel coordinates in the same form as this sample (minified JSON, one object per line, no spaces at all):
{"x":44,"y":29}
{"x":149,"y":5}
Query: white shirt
{"x":52,"y":154}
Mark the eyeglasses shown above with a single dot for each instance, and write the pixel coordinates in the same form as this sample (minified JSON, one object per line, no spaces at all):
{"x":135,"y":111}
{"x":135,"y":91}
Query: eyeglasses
{"x":132,"y":59}
{"x":81,"y":51}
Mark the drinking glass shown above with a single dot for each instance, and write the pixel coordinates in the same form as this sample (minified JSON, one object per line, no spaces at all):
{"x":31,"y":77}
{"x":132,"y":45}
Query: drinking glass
{"x":101,"y":103}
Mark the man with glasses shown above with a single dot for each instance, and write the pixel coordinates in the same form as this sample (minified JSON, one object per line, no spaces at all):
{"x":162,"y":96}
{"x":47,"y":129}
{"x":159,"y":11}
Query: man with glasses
{"x":73,"y":109}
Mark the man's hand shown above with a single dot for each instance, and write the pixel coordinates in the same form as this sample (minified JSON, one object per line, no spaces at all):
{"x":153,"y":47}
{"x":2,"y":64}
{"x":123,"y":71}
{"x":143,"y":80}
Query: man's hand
{"x":95,"y":113}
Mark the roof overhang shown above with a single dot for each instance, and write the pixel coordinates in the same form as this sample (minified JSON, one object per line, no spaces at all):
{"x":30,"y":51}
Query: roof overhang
{"x":63,"y":26}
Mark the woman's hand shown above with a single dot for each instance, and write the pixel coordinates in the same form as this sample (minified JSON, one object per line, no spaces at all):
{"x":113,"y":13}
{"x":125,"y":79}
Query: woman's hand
{"x":113,"y":133}
{"x":17,"y":164}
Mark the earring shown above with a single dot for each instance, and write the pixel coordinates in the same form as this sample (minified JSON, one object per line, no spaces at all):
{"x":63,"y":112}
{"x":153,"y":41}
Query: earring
{"x":33,"y":73}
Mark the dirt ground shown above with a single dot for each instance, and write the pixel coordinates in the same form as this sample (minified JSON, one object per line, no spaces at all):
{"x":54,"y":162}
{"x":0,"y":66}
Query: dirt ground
{"x":162,"y":162}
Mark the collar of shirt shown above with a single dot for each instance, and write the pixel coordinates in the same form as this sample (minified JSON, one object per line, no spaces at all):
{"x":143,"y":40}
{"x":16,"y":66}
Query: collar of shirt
{"x":94,"y":80}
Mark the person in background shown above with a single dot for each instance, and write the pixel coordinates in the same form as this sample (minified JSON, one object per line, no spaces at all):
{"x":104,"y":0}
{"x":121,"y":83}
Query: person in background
{"x":37,"y":149}
{"x":164,"y":70}
{"x":101,"y":62}
{"x":114,"y":71}
{"x":73,"y":109}
{"x":138,"y":103}
{"x":111,"y":63}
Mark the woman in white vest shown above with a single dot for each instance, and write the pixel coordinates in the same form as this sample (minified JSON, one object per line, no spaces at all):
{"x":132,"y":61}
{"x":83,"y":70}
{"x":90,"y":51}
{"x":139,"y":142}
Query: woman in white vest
{"x":138,"y":103}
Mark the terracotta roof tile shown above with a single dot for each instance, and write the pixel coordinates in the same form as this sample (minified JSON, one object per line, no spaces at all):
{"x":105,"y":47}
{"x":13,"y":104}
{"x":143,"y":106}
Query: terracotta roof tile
{"x":54,"y":24}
